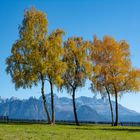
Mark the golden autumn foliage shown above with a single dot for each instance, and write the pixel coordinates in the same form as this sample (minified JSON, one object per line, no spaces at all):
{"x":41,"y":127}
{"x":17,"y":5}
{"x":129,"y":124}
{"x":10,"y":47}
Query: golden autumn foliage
{"x":77,"y":60}
{"x":112,"y":68}
{"x":78,"y":66}
{"x":112,"y":65}
{"x":26,"y":64}
{"x":36,"y":56}
{"x":56,"y":67}
{"x":36,"y":53}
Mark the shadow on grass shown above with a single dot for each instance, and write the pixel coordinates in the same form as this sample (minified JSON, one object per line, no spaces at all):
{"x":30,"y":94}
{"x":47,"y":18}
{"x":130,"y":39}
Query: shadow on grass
{"x":24,"y":123}
{"x":83,"y":126}
{"x":122,"y":129}
{"x":109,"y":129}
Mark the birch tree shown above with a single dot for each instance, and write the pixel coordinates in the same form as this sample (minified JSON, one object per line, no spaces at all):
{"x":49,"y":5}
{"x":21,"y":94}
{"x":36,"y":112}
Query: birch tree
{"x":27,"y":62}
{"x":112,"y":70}
{"x":78,"y":67}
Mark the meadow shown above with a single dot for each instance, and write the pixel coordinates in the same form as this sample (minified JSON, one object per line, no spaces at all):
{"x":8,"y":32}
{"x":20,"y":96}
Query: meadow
{"x":67,"y":132}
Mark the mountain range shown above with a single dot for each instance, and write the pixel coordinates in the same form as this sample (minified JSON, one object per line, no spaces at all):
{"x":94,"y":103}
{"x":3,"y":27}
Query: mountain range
{"x":88,"y":109}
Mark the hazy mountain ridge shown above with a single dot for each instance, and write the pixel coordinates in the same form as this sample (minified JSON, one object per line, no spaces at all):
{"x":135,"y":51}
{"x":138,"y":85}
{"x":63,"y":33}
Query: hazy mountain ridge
{"x":88,"y":109}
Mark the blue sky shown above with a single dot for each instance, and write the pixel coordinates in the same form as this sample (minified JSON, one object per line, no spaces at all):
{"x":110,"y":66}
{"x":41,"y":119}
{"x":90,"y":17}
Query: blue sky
{"x":117,"y":18}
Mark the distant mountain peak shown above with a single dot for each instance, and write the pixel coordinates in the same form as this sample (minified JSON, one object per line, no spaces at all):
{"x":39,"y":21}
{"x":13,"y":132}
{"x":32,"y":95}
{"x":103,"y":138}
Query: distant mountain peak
{"x":13,"y":98}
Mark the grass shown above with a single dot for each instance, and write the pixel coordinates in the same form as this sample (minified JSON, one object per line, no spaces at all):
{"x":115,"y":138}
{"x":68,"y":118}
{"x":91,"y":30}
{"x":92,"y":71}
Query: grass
{"x":67,"y":132}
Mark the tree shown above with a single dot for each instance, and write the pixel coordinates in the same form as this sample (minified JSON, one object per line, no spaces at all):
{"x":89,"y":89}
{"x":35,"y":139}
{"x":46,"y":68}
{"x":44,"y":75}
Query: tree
{"x":56,"y":67}
{"x":78,"y":67}
{"x":27,"y":63}
{"x":99,"y":59}
{"x":112,"y":69}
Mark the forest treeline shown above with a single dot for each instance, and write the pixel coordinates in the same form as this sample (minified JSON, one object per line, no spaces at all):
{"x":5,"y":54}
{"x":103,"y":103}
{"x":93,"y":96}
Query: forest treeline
{"x":38,"y":57}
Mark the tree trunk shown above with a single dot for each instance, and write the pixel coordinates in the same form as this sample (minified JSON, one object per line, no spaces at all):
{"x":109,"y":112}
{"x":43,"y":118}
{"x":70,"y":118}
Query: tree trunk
{"x":52,"y":104}
{"x":74,"y":108}
{"x":44,"y":102}
{"x":116,"y":102}
{"x":111,"y":108}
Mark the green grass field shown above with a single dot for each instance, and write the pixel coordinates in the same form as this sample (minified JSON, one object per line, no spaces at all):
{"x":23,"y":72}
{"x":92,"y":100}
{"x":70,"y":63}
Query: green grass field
{"x":67,"y":132}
